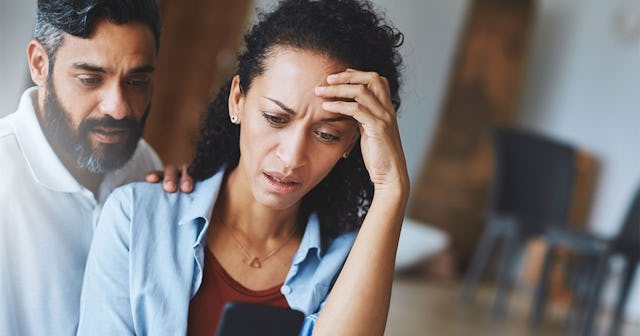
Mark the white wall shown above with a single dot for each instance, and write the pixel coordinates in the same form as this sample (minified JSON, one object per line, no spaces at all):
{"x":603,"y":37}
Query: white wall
{"x":16,"y":29}
{"x":431,"y":29}
{"x":583,"y":86}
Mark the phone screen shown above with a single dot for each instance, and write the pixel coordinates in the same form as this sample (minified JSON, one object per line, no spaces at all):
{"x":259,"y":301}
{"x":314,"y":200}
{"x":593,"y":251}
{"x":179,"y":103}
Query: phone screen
{"x":244,"y":319}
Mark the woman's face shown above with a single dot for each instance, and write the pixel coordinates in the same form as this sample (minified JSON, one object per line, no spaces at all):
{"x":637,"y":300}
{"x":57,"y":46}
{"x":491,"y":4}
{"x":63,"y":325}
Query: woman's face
{"x":288,"y":143}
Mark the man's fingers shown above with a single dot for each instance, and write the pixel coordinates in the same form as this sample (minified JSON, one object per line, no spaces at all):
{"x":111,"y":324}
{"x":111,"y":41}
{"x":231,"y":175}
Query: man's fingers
{"x":153,"y":176}
{"x":170,"y":180}
{"x":186,"y":182}
{"x":171,"y":177}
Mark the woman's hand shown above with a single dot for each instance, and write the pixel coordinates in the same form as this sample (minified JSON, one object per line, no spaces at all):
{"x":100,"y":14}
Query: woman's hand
{"x":170,"y":178}
{"x":365,"y":97}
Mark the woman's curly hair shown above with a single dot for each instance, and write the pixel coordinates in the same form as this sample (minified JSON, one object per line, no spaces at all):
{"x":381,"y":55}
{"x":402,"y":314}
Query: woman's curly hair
{"x":349,"y":31}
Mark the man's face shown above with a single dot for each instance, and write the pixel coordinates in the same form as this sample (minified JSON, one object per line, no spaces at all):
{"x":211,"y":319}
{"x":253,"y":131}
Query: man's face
{"x":98,"y":93}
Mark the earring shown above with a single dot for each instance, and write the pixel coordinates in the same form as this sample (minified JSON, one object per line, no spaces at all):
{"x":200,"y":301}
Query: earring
{"x":345,"y":155}
{"x":234,"y":119}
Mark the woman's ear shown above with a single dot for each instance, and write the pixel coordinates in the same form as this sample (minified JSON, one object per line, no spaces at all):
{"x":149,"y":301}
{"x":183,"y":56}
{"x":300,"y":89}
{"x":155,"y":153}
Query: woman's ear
{"x":236,"y":101}
{"x":354,"y":140}
{"x":38,"y":63}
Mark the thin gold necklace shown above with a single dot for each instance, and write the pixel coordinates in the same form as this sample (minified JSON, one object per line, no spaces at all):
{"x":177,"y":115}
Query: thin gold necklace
{"x":254,"y":261}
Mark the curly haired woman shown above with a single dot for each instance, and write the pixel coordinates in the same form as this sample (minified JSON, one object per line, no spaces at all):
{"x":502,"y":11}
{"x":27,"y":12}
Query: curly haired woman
{"x":300,"y":194}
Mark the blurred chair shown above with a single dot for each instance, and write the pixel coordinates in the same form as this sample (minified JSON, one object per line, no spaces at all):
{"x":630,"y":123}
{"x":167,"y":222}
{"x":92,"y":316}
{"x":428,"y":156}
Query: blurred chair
{"x":588,"y":277}
{"x":532,"y":191}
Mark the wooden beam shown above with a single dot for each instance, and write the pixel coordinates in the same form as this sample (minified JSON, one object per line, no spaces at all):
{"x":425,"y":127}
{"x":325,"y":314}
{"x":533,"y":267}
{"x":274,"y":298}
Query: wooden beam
{"x":452,"y":191}
{"x":199,"y":41}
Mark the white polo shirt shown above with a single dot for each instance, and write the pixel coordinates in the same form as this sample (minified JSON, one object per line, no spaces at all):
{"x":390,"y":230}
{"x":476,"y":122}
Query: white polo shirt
{"x":46,"y":225}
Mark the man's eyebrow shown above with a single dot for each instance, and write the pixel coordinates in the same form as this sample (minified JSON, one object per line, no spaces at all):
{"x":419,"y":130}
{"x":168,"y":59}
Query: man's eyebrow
{"x":143,"y":69}
{"x":281,"y":105}
{"x":88,"y":67}
{"x":95,"y":68}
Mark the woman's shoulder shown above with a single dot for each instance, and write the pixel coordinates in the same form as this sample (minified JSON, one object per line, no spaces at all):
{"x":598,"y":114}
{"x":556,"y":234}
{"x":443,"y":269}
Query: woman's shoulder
{"x":148,"y":201}
{"x":144,"y":193}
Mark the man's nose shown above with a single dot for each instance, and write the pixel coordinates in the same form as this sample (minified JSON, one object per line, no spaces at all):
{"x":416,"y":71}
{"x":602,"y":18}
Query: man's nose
{"x":114,"y":102}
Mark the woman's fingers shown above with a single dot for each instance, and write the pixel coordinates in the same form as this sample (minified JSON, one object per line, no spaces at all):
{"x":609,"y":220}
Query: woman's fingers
{"x":356,"y":92}
{"x":365,"y":96}
{"x":377,"y":84}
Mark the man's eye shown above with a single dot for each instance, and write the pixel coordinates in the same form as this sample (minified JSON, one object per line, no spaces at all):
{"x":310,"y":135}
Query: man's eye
{"x":141,"y":82}
{"x":90,"y":80}
{"x":327,"y":137}
{"x":275,"y":120}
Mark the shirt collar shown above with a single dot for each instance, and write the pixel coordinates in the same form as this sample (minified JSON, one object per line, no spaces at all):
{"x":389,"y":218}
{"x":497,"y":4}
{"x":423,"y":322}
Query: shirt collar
{"x":44,"y":163}
{"x":201,"y":202}
{"x":45,"y":166}
{"x":311,"y":240}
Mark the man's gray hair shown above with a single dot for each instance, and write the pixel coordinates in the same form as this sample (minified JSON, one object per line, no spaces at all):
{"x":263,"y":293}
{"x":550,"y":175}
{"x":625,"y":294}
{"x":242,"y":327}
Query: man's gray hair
{"x":49,"y":36}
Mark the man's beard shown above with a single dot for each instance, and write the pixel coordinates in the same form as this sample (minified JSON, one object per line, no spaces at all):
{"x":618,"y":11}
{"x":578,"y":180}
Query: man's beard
{"x":100,"y":158}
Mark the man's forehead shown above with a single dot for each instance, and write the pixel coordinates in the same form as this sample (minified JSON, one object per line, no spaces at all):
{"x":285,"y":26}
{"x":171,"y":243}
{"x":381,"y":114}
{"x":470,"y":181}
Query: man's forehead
{"x":110,"y":46}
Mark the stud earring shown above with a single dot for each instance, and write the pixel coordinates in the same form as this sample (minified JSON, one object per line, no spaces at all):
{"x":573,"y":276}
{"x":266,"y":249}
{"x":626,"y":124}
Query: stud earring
{"x":345,"y":155}
{"x":234,"y":119}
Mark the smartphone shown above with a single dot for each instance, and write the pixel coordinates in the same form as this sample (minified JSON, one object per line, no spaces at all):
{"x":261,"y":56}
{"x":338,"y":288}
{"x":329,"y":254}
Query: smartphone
{"x":247,"y":319}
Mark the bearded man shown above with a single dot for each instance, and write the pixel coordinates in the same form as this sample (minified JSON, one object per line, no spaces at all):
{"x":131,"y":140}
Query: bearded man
{"x":74,"y":138}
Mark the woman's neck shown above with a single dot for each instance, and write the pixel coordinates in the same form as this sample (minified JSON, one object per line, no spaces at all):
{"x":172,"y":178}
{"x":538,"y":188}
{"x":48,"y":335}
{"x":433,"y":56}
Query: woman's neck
{"x":240,"y":210}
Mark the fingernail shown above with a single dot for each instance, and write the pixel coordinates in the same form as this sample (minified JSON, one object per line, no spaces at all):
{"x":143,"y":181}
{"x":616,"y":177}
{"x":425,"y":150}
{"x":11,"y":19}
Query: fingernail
{"x":186,"y":185}
{"x":170,"y":185}
{"x":332,"y":77}
{"x":320,"y":89}
{"x":328,"y":105}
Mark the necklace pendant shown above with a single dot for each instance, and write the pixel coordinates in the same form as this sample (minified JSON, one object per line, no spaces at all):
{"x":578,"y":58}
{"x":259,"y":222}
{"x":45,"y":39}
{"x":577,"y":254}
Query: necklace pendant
{"x":255,"y":263}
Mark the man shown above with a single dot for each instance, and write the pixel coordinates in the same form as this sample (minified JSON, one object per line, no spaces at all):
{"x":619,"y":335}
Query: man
{"x":74,"y":138}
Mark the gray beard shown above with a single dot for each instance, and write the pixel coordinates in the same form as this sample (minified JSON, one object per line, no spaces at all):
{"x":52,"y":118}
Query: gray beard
{"x":104,"y":158}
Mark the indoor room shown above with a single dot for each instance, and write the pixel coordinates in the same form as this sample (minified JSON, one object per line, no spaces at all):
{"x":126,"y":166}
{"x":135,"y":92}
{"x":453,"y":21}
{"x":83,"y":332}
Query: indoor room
{"x":519,"y":123}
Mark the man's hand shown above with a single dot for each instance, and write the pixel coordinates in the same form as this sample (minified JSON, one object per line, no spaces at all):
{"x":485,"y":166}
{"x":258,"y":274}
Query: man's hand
{"x":170,"y":178}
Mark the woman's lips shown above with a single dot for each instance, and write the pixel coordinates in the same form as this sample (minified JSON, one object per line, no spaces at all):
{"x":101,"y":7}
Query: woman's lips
{"x":281,"y":185}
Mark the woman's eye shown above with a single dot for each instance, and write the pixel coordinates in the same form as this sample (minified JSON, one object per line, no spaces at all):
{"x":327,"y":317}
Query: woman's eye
{"x":273,"y":119}
{"x":327,"y":137}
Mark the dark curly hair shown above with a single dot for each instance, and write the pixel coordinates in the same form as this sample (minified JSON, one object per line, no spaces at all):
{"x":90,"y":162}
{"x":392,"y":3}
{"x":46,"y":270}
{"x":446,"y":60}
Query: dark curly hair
{"x":346,"y":30}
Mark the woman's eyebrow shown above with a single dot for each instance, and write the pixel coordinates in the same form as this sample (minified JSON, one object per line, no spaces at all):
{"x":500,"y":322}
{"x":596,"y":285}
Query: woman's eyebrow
{"x":336,"y":119}
{"x":281,"y":105}
{"x":290,"y":111}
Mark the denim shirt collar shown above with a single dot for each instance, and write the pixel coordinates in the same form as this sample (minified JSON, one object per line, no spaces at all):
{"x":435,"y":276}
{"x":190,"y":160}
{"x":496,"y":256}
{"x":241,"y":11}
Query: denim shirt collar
{"x":311,"y":241}
{"x":200,"y":205}
{"x":200,"y":208}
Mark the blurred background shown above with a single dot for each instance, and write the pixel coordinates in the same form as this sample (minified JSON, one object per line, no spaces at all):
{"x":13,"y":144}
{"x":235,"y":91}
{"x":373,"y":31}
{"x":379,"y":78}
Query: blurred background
{"x":566,"y":70}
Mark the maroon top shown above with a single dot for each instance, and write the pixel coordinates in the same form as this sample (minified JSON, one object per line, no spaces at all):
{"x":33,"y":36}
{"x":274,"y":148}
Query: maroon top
{"x":218,"y":288}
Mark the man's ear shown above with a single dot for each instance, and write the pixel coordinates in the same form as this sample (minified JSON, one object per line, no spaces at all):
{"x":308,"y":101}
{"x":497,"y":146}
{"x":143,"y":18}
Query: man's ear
{"x":38,"y":62}
{"x":236,"y":101}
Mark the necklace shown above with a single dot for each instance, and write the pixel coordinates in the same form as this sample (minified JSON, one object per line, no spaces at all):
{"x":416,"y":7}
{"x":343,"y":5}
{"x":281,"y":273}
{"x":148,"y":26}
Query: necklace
{"x":251,"y":260}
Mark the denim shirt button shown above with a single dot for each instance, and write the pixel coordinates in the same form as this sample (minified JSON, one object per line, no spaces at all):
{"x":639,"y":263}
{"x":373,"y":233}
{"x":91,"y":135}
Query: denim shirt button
{"x":285,"y":289}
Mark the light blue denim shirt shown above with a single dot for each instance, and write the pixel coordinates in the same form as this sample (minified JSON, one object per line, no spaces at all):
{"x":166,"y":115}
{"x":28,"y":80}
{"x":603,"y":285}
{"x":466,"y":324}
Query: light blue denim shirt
{"x":145,"y":262}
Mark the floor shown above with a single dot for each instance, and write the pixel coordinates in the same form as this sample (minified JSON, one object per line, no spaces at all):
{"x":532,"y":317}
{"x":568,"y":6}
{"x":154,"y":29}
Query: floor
{"x":419,"y":307}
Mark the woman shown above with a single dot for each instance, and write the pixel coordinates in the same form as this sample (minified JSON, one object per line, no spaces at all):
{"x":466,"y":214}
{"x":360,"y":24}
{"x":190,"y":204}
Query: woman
{"x":298,"y":153}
